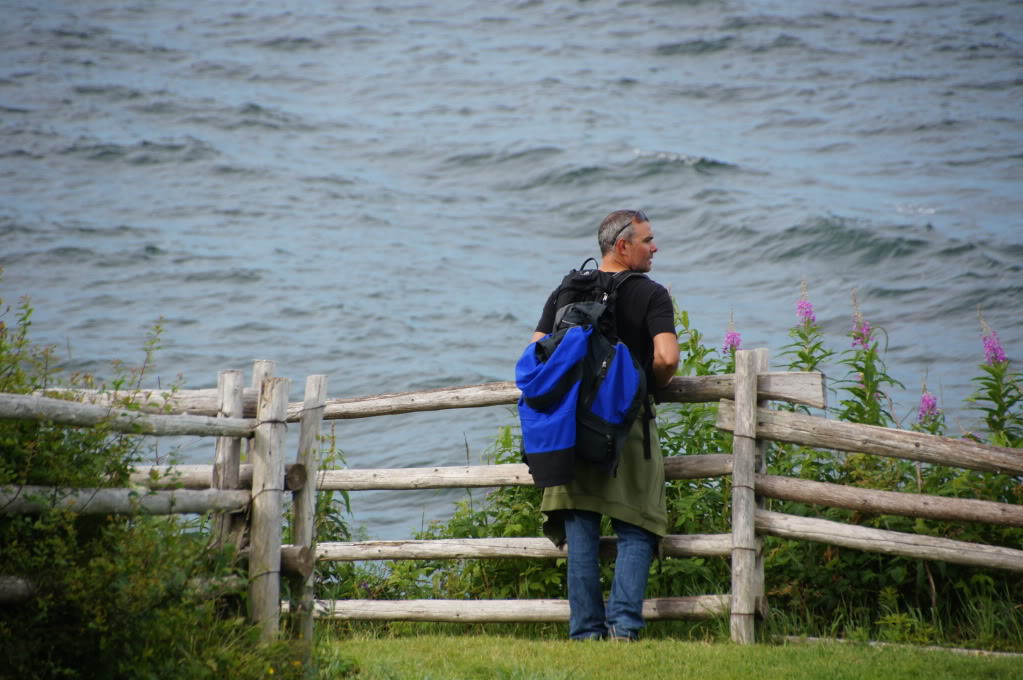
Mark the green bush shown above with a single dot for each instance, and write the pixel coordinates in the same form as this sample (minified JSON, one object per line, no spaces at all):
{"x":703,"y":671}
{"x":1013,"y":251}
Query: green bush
{"x":115,"y":596}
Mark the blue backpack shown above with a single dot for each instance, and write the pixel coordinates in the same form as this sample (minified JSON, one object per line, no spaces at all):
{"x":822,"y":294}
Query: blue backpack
{"x":581,"y":388}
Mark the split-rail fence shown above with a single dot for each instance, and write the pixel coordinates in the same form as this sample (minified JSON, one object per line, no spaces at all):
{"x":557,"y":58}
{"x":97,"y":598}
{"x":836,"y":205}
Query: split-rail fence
{"x":248,"y":500}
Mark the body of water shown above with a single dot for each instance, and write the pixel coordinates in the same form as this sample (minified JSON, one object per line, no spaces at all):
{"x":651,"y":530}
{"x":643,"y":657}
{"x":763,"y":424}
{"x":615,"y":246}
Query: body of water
{"x":387,"y":192}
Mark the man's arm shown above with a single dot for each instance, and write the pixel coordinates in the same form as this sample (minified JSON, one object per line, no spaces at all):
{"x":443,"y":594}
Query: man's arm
{"x":665,"y":358}
{"x":537,"y":335}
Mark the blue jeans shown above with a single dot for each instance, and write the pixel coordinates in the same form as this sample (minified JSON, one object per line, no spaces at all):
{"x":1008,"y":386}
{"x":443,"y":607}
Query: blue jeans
{"x":624,"y":614}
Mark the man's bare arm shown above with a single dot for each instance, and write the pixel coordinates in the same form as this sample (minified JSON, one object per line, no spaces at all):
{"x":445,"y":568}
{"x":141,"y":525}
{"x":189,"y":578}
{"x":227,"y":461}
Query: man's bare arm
{"x":665,"y":357}
{"x":537,"y":335}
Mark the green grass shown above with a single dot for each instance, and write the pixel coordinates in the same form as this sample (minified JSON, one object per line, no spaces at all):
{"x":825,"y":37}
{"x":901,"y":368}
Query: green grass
{"x":465,"y":657}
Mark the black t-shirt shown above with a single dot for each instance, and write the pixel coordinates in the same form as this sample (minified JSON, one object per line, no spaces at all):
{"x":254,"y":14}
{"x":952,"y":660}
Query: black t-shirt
{"x":642,"y":311}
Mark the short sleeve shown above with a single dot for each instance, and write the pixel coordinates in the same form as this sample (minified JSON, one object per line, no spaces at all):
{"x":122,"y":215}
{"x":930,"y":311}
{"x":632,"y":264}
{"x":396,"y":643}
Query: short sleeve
{"x":546,"y":323}
{"x":660,"y":316}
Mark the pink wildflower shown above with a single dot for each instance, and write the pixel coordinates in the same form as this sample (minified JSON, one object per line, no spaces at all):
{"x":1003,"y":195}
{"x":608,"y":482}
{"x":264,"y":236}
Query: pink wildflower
{"x":928,"y":406}
{"x":993,"y":352}
{"x":804,"y":308}
{"x":861,"y":327}
{"x":733,"y":341}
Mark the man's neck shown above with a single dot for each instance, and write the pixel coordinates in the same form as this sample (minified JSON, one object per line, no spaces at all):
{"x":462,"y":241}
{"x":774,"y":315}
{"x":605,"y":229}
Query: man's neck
{"x":611,"y":264}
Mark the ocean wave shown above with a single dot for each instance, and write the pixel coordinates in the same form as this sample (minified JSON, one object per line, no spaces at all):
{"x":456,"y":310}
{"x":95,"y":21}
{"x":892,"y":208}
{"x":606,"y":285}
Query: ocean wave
{"x":528,"y":156}
{"x":646,"y":165}
{"x":51,"y":256}
{"x":653,"y":161}
{"x":142,"y":153}
{"x":692,"y":48}
{"x":111,"y":92}
{"x":232,"y":276}
{"x":836,"y":238}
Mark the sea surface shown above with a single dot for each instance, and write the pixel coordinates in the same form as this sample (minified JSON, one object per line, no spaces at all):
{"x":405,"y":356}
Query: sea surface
{"x":386,"y":192}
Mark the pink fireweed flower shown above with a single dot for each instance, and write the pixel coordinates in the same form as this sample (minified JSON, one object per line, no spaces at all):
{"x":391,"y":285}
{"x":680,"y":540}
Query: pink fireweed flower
{"x":733,"y":341}
{"x":861,"y":327}
{"x":804,"y":308}
{"x":993,"y":352}
{"x":928,"y":406}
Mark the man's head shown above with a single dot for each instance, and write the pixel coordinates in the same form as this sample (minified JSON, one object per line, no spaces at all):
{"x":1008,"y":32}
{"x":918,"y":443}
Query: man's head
{"x":626,"y":240}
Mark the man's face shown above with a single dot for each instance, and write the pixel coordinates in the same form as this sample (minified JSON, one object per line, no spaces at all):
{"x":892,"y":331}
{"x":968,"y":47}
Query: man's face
{"x":638,"y":252}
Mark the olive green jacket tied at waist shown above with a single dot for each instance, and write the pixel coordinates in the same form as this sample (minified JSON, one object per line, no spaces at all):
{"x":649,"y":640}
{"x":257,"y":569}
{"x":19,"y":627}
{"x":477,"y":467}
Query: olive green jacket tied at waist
{"x":635,"y":494}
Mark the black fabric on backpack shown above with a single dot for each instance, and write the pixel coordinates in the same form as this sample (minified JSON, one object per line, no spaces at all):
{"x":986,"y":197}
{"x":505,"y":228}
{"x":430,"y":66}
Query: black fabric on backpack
{"x":585,"y":294}
{"x":586,"y":297}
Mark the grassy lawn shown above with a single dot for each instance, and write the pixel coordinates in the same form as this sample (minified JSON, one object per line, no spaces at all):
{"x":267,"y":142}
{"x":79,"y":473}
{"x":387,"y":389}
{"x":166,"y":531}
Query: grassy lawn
{"x":437,"y":657}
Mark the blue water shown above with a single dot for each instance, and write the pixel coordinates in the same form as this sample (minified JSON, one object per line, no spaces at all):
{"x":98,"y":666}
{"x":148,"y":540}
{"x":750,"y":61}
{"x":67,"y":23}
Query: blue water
{"x":387,"y":193}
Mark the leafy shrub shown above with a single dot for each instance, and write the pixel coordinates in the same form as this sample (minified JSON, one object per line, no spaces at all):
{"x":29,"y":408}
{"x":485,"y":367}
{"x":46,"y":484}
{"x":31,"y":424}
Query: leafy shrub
{"x":115,"y":596}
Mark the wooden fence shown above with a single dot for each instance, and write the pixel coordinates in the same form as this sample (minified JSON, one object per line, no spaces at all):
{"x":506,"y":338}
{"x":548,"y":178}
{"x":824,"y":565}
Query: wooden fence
{"x":258,"y":416}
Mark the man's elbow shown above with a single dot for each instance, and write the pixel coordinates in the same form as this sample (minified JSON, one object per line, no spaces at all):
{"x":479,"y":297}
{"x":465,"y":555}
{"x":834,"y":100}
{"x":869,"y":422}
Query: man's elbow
{"x":664,"y":369}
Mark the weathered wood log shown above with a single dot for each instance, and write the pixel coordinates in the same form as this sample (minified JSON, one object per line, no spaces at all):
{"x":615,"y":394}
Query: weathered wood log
{"x":482,"y":476}
{"x":202,"y":402}
{"x":688,"y":545}
{"x":60,"y":412}
{"x":697,"y":466}
{"x":763,"y":365}
{"x":227,"y":529}
{"x":304,"y":508}
{"x":889,"y":502}
{"x":15,"y":589}
{"x":888,"y":542}
{"x":744,"y":539}
{"x":261,"y":370}
{"x":797,"y":388}
{"x":794,"y":387}
{"x":22,"y":500}
{"x":298,"y":560}
{"x":471,"y":476}
{"x":507,"y":611}
{"x":267,"y":489}
{"x":797,"y":428}
{"x":201,"y":476}
{"x":228,"y":453}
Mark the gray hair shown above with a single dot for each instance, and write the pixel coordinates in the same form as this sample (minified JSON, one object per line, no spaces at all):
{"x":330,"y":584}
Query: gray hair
{"x":615,"y":226}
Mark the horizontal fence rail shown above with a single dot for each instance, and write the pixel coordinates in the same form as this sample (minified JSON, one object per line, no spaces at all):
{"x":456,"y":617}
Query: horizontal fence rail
{"x":686,"y":545}
{"x":506,"y":474}
{"x":887,"y":542}
{"x":796,"y":388}
{"x":35,"y":499}
{"x":796,"y":428}
{"x":507,"y":611}
{"x":888,"y":502}
{"x":201,"y":476}
{"x":61,"y":412}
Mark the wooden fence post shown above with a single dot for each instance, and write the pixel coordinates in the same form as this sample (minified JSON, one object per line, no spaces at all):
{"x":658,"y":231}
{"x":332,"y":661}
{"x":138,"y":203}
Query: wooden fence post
{"x":267,"y":492}
{"x":261,"y":370}
{"x":763,"y":365}
{"x":744,"y":543}
{"x":304,"y":508}
{"x":228,"y":528}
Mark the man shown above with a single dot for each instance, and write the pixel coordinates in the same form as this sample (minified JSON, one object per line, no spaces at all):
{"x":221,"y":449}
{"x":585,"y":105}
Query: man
{"x":634,"y":496}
